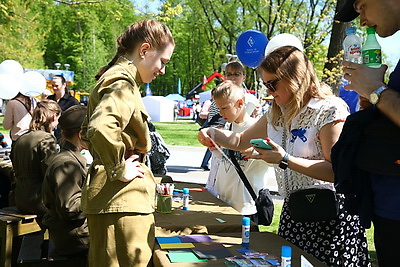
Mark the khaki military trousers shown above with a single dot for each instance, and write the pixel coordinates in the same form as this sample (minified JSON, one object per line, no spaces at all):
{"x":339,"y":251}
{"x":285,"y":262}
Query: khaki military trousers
{"x":120,"y":239}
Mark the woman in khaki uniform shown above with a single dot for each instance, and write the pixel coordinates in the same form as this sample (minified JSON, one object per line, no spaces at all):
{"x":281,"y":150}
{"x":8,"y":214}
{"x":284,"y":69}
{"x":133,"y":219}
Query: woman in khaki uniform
{"x":62,"y":189}
{"x":30,"y":155}
{"x":119,"y":194}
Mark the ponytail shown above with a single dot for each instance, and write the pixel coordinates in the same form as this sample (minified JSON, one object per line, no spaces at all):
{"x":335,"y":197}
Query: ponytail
{"x":120,"y":52}
{"x":144,"y":31}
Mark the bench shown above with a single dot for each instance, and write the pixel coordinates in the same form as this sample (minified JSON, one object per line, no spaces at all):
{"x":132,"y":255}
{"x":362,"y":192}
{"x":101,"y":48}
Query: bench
{"x":37,"y":251}
{"x":13,"y":224}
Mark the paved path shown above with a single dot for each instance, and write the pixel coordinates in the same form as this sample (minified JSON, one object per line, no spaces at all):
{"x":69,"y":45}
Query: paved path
{"x":184,"y":166}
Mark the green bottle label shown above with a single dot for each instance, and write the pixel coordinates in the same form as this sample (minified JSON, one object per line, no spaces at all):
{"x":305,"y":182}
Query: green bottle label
{"x":372,"y":56}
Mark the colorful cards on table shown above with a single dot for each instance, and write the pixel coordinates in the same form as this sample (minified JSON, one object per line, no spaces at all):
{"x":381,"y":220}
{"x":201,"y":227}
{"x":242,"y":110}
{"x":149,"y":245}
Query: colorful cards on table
{"x":201,"y":248}
{"x":184,"y":239}
{"x":183,"y":257}
{"x":211,"y":251}
{"x":176,"y":245}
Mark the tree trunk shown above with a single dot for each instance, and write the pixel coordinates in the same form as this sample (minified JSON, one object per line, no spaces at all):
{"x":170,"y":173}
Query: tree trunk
{"x":332,"y":68}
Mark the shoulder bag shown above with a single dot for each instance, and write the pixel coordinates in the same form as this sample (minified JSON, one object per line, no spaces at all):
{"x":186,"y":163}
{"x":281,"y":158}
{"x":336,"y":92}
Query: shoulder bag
{"x":312,"y":204}
{"x":264,"y":204}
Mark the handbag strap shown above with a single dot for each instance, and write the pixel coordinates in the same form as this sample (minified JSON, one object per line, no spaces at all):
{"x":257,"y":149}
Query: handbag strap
{"x":27,"y":109}
{"x":242,"y":175}
{"x":285,"y":173}
{"x":240,"y":171}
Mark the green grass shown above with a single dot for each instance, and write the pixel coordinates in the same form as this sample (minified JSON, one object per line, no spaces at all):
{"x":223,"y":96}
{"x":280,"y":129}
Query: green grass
{"x":180,"y":133}
{"x":273,"y":228}
{"x":2,"y":130}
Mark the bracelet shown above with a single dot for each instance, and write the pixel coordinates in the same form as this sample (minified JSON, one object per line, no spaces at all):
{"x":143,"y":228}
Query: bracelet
{"x":284,"y":162}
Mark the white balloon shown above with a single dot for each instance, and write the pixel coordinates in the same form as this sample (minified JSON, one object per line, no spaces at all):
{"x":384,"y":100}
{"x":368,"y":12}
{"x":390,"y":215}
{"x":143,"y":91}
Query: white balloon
{"x":9,"y":86}
{"x":33,"y":84}
{"x":283,"y":39}
{"x":11,"y":67}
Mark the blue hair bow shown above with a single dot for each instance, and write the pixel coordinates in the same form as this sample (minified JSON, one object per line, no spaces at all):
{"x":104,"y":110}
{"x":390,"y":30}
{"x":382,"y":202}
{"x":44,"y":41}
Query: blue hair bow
{"x":298,"y":133}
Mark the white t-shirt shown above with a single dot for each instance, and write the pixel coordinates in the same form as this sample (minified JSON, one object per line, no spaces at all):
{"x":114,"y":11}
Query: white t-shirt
{"x":226,"y":183}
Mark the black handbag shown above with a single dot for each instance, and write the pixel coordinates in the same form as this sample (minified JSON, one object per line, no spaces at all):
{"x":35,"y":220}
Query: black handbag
{"x":264,"y":204}
{"x":313,"y":204}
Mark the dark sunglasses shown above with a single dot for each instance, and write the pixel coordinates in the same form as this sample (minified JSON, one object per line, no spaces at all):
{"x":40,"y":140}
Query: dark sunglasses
{"x":271,"y":84}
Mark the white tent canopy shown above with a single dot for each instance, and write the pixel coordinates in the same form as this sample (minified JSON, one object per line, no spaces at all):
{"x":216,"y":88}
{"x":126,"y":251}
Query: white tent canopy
{"x":204,"y":96}
{"x":159,"y":108}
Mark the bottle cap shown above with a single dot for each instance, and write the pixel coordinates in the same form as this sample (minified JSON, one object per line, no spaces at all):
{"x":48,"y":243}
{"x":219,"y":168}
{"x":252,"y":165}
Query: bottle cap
{"x":186,"y":190}
{"x":350,"y":30}
{"x":246,"y":221}
{"x":286,"y":251}
{"x":370,"y":30}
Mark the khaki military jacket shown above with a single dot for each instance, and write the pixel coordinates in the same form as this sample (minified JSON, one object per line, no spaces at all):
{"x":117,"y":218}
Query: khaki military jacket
{"x":61,"y":191}
{"x":29,"y":158}
{"x":116,"y":123}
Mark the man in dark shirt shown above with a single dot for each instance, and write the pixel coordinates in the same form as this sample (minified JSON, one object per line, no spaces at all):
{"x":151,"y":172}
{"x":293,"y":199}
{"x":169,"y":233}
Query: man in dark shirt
{"x":62,"y":97}
{"x":376,"y":157}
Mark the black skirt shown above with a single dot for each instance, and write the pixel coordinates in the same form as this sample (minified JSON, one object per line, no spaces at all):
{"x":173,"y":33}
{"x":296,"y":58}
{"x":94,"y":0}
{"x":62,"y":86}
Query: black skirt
{"x":340,"y":242}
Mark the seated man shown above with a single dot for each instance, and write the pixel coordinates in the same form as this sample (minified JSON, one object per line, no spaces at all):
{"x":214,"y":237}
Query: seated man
{"x":62,"y":187}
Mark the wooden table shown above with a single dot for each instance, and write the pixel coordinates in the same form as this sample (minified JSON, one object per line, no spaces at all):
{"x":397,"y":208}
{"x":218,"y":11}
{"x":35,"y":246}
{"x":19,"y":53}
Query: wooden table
{"x":13,"y":224}
{"x":260,"y":242}
{"x":206,"y":215}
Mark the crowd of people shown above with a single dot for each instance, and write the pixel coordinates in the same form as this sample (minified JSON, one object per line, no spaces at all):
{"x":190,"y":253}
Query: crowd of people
{"x":314,"y":141}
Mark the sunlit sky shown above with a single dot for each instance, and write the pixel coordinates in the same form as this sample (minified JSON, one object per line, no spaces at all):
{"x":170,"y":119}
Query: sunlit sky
{"x":391,"y":48}
{"x":390,"y":45}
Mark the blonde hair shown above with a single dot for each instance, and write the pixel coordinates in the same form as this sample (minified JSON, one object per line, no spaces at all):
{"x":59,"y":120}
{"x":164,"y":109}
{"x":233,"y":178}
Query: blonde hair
{"x":292,"y":65}
{"x":227,"y":90}
{"x":149,"y":31}
{"x":42,"y":115}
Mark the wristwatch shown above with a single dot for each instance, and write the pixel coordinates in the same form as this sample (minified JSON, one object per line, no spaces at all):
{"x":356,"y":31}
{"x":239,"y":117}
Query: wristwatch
{"x":284,"y":162}
{"x":375,"y":95}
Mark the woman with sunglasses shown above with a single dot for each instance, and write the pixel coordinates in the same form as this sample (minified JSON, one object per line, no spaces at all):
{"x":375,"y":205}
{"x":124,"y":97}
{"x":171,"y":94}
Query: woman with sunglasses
{"x":302,"y":125}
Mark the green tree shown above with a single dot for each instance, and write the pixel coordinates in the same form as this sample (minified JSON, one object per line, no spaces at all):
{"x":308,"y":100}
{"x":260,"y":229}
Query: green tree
{"x":206,"y":30}
{"x":86,"y":36}
{"x":19,"y":31}
{"x":83,"y":33}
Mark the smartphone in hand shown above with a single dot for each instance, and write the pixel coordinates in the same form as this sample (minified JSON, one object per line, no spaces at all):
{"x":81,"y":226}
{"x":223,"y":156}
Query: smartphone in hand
{"x":261,"y":143}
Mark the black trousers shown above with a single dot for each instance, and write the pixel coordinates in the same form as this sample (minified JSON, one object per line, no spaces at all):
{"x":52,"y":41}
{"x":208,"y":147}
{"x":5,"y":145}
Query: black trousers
{"x":386,"y":238}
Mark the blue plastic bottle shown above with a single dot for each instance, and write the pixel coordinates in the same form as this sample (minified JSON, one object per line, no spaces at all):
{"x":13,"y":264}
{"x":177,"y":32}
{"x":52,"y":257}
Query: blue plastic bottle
{"x":185,"y":199}
{"x":286,"y":256}
{"x":246,"y":232}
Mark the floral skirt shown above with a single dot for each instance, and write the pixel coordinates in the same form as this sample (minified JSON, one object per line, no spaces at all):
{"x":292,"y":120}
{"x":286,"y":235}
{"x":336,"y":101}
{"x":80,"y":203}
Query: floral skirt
{"x":340,"y":242}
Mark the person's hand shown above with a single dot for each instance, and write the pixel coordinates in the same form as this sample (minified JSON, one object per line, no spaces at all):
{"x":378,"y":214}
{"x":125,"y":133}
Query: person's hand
{"x":248,"y":152}
{"x":132,"y":169}
{"x":364,"y":103}
{"x":204,"y":138}
{"x":362,"y":79}
{"x":272,"y":156}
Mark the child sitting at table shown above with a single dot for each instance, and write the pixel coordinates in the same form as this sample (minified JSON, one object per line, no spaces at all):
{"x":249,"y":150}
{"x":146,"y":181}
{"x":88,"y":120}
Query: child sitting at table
{"x":228,"y":186}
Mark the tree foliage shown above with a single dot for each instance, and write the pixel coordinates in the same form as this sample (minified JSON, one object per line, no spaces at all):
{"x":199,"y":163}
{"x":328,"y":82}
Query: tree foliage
{"x":19,"y":32}
{"x":83,"y":33}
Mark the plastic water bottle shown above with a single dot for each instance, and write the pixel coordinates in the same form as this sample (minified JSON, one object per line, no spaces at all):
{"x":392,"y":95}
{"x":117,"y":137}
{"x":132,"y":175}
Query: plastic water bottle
{"x":286,"y":256}
{"x":371,"y":51}
{"x":352,"y":46}
{"x":185,"y":199}
{"x":246,"y":232}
